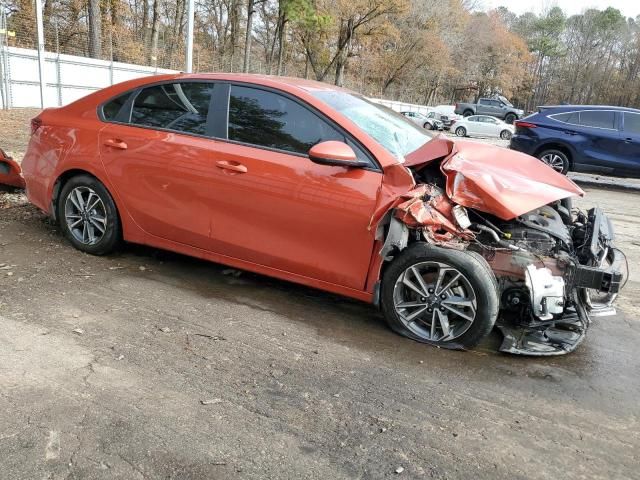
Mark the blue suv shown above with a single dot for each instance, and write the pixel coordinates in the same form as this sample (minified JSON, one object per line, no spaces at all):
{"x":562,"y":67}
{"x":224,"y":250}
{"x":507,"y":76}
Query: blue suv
{"x":583,"y":138}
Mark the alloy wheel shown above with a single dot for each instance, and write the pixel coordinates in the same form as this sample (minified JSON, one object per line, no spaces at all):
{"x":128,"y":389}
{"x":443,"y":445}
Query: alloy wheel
{"x":554,"y":160}
{"x":435,"y":301}
{"x":86,"y":215}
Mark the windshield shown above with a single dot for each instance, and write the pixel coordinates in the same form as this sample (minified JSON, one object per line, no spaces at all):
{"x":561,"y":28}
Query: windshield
{"x":505,"y":101}
{"x":397,"y":134}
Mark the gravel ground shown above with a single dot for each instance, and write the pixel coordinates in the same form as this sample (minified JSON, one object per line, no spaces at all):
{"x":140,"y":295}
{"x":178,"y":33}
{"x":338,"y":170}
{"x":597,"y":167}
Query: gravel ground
{"x":147,"y":364}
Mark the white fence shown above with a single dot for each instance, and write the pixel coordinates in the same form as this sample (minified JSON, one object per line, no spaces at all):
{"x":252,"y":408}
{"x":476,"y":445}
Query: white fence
{"x":67,"y":77}
{"x":402,"y":106}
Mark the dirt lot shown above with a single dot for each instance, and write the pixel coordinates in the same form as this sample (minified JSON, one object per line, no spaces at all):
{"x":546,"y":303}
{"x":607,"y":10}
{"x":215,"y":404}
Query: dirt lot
{"x":147,"y":364}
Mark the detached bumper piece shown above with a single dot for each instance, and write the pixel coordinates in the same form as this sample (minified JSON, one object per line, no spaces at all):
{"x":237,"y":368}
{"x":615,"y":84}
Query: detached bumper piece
{"x":557,"y":337}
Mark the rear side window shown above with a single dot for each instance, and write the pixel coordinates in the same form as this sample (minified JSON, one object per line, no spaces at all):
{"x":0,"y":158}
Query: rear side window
{"x":111,"y":109}
{"x":176,"y":106}
{"x":588,"y":118}
{"x":598,"y":119}
{"x":267,"y":119}
{"x":632,"y":123}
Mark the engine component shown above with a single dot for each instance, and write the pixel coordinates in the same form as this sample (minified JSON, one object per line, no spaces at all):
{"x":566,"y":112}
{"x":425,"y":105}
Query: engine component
{"x":547,"y":292}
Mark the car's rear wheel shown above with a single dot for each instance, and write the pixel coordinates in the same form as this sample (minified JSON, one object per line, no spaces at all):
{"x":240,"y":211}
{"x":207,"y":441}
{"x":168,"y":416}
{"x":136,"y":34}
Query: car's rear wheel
{"x":505,"y":135}
{"x":440,"y":296}
{"x":510,"y":118}
{"x":461,"y":132}
{"x":88,"y":215}
{"x":556,"y":159}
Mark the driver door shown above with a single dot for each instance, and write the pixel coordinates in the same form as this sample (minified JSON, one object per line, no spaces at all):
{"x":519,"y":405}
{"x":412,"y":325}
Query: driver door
{"x":277,"y":208}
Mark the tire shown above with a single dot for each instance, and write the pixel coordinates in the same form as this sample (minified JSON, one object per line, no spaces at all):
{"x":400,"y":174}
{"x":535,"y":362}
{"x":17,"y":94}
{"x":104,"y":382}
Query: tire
{"x":505,"y":135}
{"x":467,"y":113}
{"x":556,"y":159}
{"x":84,"y":227}
{"x":428,"y":126}
{"x":461,"y":132}
{"x":510,"y":118}
{"x":476,"y":287}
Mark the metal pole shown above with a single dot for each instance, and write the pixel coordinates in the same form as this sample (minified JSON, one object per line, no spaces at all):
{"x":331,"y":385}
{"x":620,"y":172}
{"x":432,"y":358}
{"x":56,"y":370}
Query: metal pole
{"x":3,"y":27}
{"x":41,"y":67}
{"x":190,"y":19}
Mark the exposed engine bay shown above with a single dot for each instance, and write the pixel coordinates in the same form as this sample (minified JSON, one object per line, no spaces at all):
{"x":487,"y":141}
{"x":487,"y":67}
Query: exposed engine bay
{"x":555,"y":267}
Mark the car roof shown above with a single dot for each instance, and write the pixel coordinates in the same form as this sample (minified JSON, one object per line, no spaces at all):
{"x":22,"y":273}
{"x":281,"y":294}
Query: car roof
{"x":266,"y":80}
{"x":574,"y":108}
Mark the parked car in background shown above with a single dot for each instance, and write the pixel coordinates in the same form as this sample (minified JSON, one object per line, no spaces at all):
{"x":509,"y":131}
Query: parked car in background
{"x":483,"y":126}
{"x":444,"y":113}
{"x":498,"y":107}
{"x":424,"y":121}
{"x":583,"y":138}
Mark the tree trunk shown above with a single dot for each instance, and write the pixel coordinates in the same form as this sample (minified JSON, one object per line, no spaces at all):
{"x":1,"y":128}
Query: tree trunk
{"x":144,"y":28}
{"x":95,"y":30}
{"x":344,"y":45}
{"x":235,"y":28}
{"x":153,"y":52}
{"x":281,"y":35}
{"x":247,"y":39}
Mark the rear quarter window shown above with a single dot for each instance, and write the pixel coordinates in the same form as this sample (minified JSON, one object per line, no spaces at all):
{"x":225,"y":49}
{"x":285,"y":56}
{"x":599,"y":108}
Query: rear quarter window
{"x":111,"y":109}
{"x":632,"y":123}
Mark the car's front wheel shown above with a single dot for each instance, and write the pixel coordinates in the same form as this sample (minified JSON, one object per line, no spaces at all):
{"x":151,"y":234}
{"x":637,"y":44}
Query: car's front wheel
{"x":428,"y":126}
{"x":461,"y":132}
{"x":510,"y":118}
{"x":88,"y":215}
{"x":440,"y":296}
{"x":556,"y":159}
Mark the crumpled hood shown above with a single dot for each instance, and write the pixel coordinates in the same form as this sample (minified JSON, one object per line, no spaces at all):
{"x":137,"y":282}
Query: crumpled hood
{"x":493,"y":179}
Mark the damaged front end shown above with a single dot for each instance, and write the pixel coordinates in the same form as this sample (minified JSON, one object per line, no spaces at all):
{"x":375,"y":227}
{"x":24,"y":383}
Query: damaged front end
{"x":10,"y":173}
{"x":558,"y":274}
{"x":555,"y":267}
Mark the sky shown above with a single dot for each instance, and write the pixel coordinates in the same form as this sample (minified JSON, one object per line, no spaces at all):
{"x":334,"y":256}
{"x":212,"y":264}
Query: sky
{"x":629,"y":8}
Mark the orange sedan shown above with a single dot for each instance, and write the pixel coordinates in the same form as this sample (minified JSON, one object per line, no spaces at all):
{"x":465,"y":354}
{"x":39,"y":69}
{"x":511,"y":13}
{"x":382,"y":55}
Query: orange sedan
{"x":317,"y":185}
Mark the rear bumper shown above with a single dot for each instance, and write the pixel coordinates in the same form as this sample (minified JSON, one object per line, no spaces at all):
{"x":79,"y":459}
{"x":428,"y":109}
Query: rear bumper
{"x":523,"y":144}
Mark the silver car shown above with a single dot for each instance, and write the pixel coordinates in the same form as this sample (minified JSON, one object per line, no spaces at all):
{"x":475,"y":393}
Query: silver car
{"x":424,"y":121}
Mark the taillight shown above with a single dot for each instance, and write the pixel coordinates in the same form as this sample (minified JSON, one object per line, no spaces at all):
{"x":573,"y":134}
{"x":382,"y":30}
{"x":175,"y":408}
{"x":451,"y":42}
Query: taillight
{"x":36,"y":123}
{"x":525,"y":124}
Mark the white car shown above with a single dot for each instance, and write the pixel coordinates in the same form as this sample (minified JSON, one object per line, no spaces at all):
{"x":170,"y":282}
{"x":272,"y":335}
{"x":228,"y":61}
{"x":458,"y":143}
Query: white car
{"x":483,"y":126}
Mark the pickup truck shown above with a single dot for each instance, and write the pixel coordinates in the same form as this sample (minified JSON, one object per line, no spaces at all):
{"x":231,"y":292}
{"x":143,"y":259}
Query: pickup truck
{"x":498,"y":107}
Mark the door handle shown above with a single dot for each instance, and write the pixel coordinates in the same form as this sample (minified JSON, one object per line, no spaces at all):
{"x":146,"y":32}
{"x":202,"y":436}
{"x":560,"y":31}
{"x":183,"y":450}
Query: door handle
{"x":235,"y":167}
{"x":628,"y":140}
{"x":569,"y":132}
{"x":119,"y":144}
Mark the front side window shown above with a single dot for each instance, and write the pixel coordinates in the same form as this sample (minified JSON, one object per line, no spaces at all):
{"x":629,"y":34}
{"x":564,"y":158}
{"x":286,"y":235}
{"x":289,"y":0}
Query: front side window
{"x":175,"y":106}
{"x":632,"y":123}
{"x":271,"y":120}
{"x":398,"y":135}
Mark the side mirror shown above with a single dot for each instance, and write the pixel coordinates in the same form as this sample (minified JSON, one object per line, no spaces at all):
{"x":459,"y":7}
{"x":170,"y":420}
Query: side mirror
{"x":334,"y":153}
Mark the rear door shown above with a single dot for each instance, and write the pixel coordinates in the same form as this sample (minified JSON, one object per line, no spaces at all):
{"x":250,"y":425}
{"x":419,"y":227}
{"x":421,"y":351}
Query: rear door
{"x":279,"y":209}
{"x":156,"y":152}
{"x":600,"y":140}
{"x":630,"y":144}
